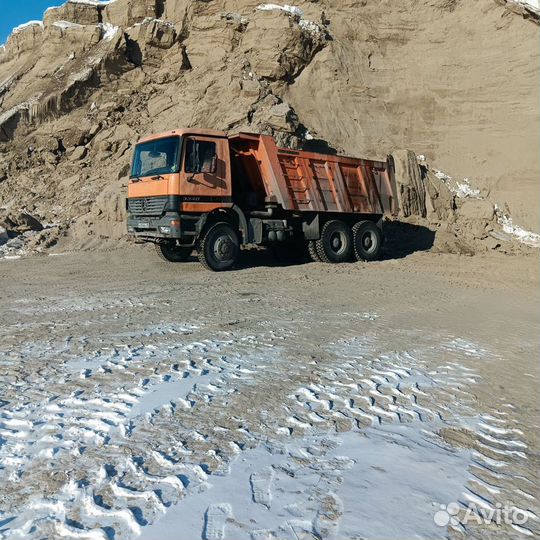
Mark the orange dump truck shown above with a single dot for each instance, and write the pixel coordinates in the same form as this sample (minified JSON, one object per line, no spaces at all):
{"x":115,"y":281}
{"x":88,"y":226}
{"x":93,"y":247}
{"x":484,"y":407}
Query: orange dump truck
{"x":203,"y":190}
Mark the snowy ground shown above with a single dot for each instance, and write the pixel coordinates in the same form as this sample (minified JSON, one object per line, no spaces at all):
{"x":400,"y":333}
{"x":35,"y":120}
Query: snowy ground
{"x":188,"y":405}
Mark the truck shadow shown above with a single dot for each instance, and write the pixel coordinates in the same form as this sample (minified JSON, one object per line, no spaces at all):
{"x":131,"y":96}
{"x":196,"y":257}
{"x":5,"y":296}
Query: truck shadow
{"x":404,"y":239}
{"x":401,"y":240}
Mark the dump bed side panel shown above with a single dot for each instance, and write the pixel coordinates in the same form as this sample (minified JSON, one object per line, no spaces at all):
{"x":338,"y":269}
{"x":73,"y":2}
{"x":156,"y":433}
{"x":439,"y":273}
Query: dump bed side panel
{"x":306,"y":181}
{"x":323,"y":183}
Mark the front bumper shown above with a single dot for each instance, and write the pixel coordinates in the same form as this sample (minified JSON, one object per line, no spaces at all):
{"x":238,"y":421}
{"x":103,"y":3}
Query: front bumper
{"x":149,"y":227}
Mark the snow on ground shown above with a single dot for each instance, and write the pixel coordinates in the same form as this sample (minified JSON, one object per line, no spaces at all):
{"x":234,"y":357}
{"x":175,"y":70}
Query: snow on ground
{"x":118,"y":429}
{"x":270,"y":491}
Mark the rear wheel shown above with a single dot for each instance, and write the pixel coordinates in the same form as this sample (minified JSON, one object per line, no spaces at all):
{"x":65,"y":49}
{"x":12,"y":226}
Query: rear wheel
{"x":171,"y":252}
{"x":367,"y":239}
{"x":335,"y":244}
{"x":219,"y":247}
{"x":312,"y":249}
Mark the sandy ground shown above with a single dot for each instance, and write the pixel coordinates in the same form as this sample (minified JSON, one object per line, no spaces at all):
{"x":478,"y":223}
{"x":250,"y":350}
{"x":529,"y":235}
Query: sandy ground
{"x":313,"y":401}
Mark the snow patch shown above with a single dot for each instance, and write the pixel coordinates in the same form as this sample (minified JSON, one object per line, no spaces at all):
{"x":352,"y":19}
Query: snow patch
{"x":525,"y":237}
{"x":158,"y":21}
{"x":291,"y":10}
{"x":353,"y":472}
{"x":67,"y":24}
{"x":108,"y":31}
{"x":297,"y":14}
{"x":27,"y":25}
{"x":462,"y":190}
{"x":91,"y":2}
{"x":535,"y":4}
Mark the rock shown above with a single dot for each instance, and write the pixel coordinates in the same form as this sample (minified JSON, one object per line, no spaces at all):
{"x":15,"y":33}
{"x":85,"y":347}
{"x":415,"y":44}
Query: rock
{"x":281,"y":116}
{"x":251,"y":89}
{"x":129,"y":12}
{"x":286,"y":48}
{"x":83,"y":13}
{"x":22,"y":222}
{"x":492,"y":243}
{"x":73,"y":137}
{"x":78,"y":153}
{"x":441,"y":198}
{"x":3,"y":236}
{"x":47,"y":143}
{"x":411,"y":190}
{"x":477,"y":209}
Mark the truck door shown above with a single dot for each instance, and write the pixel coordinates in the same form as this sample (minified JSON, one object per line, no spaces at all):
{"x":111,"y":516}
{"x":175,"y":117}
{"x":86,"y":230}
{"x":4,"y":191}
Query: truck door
{"x":206,"y":174}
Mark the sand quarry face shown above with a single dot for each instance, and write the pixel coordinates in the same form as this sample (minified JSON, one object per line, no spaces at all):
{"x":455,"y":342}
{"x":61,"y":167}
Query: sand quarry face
{"x":455,"y":81}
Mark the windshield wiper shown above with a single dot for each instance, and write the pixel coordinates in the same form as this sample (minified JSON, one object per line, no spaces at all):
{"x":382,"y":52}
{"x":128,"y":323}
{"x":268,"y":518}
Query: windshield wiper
{"x":158,"y":177}
{"x":135,"y":179}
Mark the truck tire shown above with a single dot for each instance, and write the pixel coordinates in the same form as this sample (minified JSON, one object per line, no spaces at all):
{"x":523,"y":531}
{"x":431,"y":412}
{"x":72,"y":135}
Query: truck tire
{"x":367,"y":238}
{"x":335,"y":244}
{"x":312,"y":249}
{"x":219,"y":247}
{"x":170,"y":252}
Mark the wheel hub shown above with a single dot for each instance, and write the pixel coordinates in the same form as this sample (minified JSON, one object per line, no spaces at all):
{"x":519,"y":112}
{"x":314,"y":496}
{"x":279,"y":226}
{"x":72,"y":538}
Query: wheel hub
{"x":336,"y":242}
{"x":223,"y":248}
{"x":367,"y":241}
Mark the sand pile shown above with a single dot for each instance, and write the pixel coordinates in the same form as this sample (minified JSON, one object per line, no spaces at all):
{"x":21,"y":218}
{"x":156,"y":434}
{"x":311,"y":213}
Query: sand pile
{"x":446,"y":78}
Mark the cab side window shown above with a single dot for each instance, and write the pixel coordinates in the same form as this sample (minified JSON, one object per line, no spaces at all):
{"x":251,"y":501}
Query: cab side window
{"x":200,"y":157}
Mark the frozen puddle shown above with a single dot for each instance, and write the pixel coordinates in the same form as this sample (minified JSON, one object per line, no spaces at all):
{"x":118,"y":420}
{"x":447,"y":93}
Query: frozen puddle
{"x":379,"y":483}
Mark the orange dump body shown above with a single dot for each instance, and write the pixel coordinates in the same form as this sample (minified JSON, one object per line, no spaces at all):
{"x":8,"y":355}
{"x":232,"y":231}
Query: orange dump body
{"x":306,"y":181}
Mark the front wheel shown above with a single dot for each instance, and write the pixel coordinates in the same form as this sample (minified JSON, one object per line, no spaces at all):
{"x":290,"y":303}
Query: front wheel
{"x":367,"y":239}
{"x":170,"y":252}
{"x":219,"y":248}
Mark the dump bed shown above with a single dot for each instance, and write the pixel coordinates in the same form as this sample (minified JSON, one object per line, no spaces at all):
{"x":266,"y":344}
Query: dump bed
{"x":311,"y":182}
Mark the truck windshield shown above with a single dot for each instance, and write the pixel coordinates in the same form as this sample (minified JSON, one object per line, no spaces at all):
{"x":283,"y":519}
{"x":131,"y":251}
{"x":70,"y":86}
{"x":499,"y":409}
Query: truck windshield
{"x":161,"y":156}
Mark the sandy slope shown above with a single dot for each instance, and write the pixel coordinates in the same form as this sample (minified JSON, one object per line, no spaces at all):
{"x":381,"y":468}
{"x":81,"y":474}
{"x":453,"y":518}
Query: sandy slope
{"x":303,"y":401}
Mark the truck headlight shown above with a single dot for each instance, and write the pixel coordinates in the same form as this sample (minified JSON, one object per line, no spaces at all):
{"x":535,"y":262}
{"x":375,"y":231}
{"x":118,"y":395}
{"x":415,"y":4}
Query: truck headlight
{"x":165,"y":230}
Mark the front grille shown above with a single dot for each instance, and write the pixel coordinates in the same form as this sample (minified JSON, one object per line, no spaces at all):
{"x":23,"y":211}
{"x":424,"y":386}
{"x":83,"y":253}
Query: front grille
{"x":147,"y":206}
